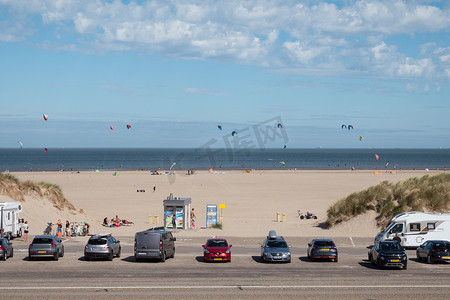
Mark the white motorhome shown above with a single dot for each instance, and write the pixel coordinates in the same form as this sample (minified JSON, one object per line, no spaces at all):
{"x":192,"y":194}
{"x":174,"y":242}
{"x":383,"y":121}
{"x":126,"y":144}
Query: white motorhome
{"x":9,"y":219}
{"x":412,"y":229}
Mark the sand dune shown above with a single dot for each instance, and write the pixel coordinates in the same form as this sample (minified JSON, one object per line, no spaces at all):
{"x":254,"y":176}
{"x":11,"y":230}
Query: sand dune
{"x":252,"y":199}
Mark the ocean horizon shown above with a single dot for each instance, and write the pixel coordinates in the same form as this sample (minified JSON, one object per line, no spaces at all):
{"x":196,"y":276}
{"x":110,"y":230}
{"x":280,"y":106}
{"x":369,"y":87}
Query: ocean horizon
{"x":82,"y":159}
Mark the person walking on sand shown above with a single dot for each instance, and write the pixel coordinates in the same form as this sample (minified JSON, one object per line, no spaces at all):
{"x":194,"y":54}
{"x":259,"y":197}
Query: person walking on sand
{"x":174,"y":222}
{"x":68,"y":230}
{"x":25,"y":231}
{"x":154,"y":188}
{"x":193,"y":218}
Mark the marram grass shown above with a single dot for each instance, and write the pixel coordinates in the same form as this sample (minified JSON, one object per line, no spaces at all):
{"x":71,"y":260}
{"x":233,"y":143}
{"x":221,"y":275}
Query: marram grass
{"x":428,"y":193}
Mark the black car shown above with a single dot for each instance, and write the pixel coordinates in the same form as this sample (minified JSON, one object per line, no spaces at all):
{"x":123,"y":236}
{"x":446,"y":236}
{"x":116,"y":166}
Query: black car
{"x":322,"y":248}
{"x":388,"y":254}
{"x":434,"y":251}
{"x":6,"y":249}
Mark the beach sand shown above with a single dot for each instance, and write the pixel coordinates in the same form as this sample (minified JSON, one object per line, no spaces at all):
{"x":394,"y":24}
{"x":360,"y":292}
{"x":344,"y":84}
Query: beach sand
{"x":252,"y":200}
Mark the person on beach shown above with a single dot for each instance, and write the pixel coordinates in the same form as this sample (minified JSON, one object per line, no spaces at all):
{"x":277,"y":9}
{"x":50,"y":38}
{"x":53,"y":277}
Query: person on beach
{"x":174,"y":222}
{"x":193,"y":218}
{"x":68,"y":230}
{"x":87,"y":226}
{"x":116,"y":221}
{"x":25,"y":231}
{"x":154,"y":188}
{"x":59,"y":230}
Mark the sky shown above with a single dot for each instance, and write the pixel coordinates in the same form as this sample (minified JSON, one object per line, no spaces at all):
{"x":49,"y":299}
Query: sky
{"x":175,"y":70}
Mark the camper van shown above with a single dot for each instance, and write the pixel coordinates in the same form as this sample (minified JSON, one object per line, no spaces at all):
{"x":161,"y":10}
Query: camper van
{"x":411,"y":229}
{"x":9,"y":220}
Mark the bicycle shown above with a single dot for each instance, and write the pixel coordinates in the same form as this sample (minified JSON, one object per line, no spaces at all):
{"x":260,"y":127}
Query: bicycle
{"x":48,"y":230}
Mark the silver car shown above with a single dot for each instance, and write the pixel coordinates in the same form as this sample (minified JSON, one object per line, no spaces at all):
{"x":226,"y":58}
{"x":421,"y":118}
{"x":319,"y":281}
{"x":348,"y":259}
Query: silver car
{"x":46,"y":246}
{"x":275,"y":248}
{"x":6,"y":249}
{"x":102,"y":246}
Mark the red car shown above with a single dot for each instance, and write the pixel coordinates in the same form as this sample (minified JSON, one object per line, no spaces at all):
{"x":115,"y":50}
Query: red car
{"x":217,"y":250}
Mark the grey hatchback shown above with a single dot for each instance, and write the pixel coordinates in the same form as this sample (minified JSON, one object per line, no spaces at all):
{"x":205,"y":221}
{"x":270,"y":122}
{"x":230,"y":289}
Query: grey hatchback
{"x":102,"y":245}
{"x":46,"y":246}
{"x":322,"y":248}
{"x":275,"y":248}
{"x":6,"y":249}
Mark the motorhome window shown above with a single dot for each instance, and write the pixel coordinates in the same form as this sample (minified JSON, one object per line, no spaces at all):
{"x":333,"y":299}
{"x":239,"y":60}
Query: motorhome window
{"x":9,"y":216}
{"x":431,"y":226}
{"x":414,"y":227}
{"x":397,"y":228}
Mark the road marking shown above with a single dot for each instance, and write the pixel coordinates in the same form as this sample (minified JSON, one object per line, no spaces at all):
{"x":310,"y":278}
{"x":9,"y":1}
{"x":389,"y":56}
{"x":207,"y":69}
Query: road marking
{"x":241,"y":287}
{"x":351,"y":240}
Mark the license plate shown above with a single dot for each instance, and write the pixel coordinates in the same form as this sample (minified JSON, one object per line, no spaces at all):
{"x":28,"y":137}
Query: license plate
{"x":96,"y":249}
{"x":325,"y":249}
{"x":142,"y":253}
{"x":395,"y":260}
{"x":277,"y":257}
{"x":445,"y":257}
{"x":42,"y":251}
{"x":217,"y":258}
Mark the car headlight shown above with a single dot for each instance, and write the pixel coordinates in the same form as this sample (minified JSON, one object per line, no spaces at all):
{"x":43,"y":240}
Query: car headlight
{"x":228,"y":251}
{"x":206,"y":251}
{"x":382,"y":257}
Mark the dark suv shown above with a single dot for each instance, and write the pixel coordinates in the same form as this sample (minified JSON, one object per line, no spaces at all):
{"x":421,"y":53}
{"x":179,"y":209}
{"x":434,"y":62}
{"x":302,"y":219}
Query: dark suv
{"x":434,"y":251}
{"x":388,"y":254}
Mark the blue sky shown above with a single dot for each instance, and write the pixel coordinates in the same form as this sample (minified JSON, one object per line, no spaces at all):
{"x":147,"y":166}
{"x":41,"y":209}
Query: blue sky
{"x":174,"y":70}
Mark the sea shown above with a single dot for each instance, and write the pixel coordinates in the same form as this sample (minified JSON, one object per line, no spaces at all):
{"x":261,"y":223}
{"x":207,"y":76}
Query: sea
{"x":82,"y":159}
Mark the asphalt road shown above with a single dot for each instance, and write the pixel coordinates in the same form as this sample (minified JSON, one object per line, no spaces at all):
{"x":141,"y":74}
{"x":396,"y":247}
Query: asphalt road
{"x":187,"y":276}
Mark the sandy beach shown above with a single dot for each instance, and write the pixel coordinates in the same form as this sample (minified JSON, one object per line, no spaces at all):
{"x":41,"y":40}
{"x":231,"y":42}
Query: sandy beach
{"x":252,"y":199}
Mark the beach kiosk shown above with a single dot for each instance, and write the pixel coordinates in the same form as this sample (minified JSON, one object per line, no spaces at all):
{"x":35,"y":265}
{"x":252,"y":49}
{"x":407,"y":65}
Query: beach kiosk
{"x":181,"y":207}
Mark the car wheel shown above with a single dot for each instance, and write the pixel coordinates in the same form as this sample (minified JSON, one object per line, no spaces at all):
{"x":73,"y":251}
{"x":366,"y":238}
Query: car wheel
{"x":12,"y":253}
{"x":173,"y":253}
{"x":429,"y":259}
{"x":62,"y":253}
{"x":418,"y":256}
{"x":110,"y":256}
{"x":404,"y":266}
{"x":336,"y":259}
{"x":289,"y":261}
{"x":163,"y":258}
{"x":369,"y":257}
{"x":4,"y":256}
{"x":378,"y":263}
{"x":120,"y":250}
{"x":56,"y":257}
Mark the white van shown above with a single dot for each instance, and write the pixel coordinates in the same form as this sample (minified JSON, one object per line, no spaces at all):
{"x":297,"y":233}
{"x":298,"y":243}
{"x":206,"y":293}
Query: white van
{"x":9,"y":220}
{"x":412,"y":229}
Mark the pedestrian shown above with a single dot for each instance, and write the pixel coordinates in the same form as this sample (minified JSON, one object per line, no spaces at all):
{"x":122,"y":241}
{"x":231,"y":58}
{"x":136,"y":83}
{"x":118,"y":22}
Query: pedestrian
{"x":68,"y":230}
{"x":154,"y":188}
{"x":193,"y":218}
{"x":25,"y":231}
{"x":174,"y":222}
{"x":59,"y":230}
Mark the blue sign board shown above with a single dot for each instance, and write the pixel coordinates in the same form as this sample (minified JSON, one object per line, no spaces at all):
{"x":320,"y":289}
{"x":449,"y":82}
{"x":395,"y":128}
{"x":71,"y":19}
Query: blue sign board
{"x":211,"y":214}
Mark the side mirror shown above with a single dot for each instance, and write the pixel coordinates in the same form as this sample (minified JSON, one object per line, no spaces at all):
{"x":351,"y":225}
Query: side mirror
{"x":309,"y":244}
{"x":174,"y":239}
{"x":262,"y":246}
{"x":290,"y":246}
{"x":203,"y":246}
{"x":230,"y":246}
{"x":117,"y":242}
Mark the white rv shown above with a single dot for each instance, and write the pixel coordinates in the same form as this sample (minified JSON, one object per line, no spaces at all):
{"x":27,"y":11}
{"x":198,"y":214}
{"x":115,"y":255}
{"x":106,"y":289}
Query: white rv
{"x":9,"y":219}
{"x":412,"y":229}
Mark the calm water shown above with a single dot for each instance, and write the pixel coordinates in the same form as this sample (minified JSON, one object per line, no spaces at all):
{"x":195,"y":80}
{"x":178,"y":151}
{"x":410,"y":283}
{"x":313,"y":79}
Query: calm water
{"x":205,"y":158}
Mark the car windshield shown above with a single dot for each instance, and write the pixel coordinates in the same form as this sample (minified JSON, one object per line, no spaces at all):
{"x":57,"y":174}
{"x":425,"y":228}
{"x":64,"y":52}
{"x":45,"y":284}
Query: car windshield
{"x":442,"y":246}
{"x":97,"y":242}
{"x":42,"y":241}
{"x":217,"y":243}
{"x":324,"y":244}
{"x":391,"y":247}
{"x":276,"y":244}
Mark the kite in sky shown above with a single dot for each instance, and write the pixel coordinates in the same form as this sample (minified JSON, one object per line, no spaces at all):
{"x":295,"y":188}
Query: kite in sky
{"x":360,"y":138}
{"x":111,"y":127}
{"x":45,"y":117}
{"x":377,"y":157}
{"x":219,"y":126}
{"x":128,"y":126}
{"x":280,"y":125}
{"x":234,"y":133}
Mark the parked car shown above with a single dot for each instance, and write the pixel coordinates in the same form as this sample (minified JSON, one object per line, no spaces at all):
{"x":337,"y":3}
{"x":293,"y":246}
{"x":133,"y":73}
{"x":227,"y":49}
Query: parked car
{"x":275,"y":248}
{"x":103,"y":246}
{"x":159,"y":244}
{"x":217,"y":250}
{"x":6,"y":249}
{"x":322,"y":248}
{"x":46,"y":246}
{"x":434,"y":251}
{"x":388,"y":254}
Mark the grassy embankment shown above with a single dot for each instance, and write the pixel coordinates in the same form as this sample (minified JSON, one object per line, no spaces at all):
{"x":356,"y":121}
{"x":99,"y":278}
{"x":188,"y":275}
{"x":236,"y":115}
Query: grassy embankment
{"x":15,"y":189}
{"x":428,"y":193}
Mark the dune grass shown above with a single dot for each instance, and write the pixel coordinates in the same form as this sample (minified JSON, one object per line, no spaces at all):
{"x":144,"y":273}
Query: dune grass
{"x":428,"y":193}
{"x":15,"y":189}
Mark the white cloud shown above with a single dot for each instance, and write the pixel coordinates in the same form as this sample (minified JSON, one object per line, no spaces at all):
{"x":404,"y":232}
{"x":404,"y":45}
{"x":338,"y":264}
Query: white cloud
{"x":356,"y":36}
